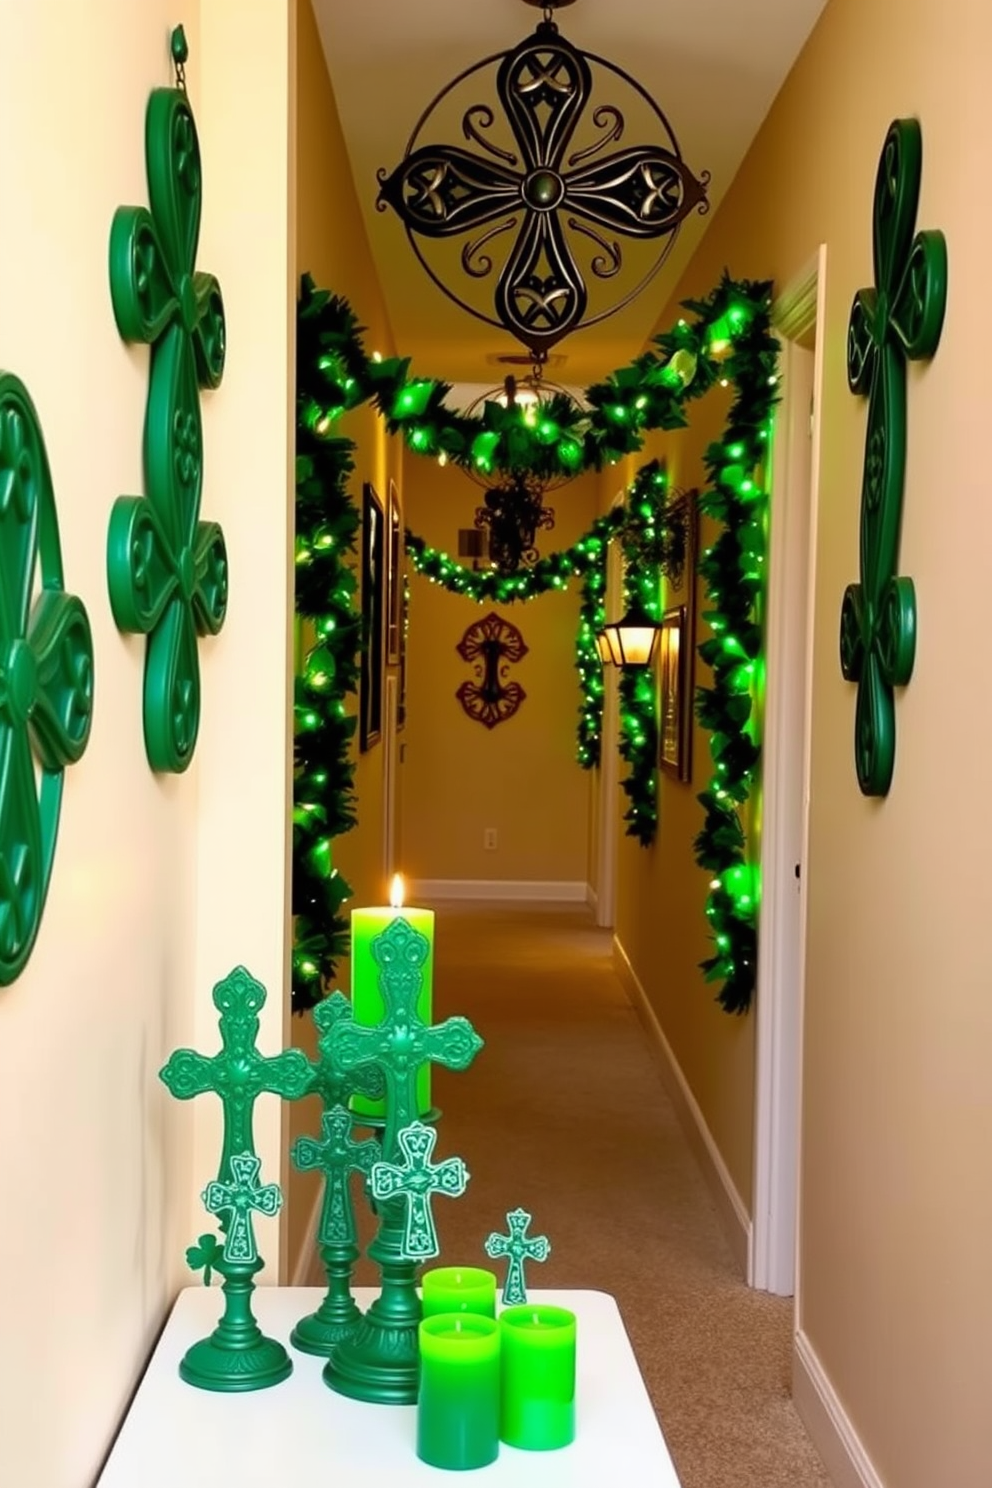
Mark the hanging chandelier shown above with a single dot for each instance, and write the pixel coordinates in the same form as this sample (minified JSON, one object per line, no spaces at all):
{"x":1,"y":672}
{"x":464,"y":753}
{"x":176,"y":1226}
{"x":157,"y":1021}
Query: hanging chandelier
{"x":543,"y":197}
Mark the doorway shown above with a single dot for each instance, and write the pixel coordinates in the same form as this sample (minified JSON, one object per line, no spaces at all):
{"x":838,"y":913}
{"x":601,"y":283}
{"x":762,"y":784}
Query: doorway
{"x":798,"y":317}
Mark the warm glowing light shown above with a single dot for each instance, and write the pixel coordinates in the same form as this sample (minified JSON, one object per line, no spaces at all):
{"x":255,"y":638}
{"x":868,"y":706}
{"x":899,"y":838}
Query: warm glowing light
{"x":396,"y":891}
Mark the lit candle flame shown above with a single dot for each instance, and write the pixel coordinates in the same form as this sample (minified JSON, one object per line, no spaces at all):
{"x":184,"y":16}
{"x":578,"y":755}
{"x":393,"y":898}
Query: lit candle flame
{"x":396,"y":891}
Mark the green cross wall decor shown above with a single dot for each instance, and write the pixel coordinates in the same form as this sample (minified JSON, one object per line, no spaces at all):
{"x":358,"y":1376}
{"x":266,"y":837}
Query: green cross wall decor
{"x":520,"y":1248}
{"x":46,"y":676}
{"x":238,"y":1198}
{"x":417,"y":1180}
{"x":901,"y":317}
{"x":167,"y":569}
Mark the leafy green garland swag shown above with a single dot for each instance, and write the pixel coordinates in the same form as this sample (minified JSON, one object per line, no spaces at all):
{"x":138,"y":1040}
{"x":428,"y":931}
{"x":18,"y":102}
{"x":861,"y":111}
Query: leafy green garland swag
{"x":729,"y":340}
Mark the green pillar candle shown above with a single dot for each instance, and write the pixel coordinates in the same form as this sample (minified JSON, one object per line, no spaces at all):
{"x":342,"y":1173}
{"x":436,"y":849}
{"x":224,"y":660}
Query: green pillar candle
{"x":459,"y":1289}
{"x":537,"y":1374}
{"x":458,"y":1405}
{"x":367,"y":1005}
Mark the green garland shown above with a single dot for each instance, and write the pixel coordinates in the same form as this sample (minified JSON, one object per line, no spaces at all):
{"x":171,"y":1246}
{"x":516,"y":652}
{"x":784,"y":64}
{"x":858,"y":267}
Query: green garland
{"x":729,"y":339}
{"x":323,"y":792}
{"x":643,"y":542}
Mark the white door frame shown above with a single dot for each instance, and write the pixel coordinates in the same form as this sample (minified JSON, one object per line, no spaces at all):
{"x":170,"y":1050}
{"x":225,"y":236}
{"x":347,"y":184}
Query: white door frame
{"x":389,"y":763}
{"x":786,"y":767}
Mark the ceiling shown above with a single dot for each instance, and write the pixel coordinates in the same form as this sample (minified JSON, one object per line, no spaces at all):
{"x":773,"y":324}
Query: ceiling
{"x":714,"y":66}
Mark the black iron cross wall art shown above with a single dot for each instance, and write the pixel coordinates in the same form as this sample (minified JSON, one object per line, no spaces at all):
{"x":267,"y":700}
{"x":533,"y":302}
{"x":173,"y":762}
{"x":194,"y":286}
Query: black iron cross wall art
{"x":901,"y":317}
{"x":492,"y":645}
{"x":541,"y":198}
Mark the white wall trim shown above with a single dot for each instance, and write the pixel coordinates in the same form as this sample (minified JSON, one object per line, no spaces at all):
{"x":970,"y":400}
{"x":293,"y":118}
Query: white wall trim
{"x":827,"y":1422}
{"x":730,"y":1205}
{"x":304,"y":1267}
{"x":592,"y":898}
{"x":500,"y":890}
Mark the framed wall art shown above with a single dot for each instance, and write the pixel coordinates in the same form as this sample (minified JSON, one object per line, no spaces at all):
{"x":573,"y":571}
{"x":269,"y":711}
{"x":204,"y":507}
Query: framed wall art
{"x":373,"y":617}
{"x":394,"y":577}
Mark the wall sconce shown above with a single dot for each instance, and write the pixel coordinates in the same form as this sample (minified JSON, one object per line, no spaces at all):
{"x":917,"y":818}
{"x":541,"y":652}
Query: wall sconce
{"x":631,"y":641}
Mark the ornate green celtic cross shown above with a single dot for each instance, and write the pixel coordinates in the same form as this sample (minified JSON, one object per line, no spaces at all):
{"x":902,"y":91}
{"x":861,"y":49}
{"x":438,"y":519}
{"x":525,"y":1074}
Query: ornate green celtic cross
{"x":900,"y":318}
{"x":381,"y":1362}
{"x":167,"y":569}
{"x":418,"y":1179}
{"x":238,"y":1073}
{"x":46,"y":676}
{"x":336,"y":1087}
{"x":236,"y":1356}
{"x":401,"y":1043}
{"x":336,"y":1156}
{"x":238,"y":1198}
{"x":519,"y":1247}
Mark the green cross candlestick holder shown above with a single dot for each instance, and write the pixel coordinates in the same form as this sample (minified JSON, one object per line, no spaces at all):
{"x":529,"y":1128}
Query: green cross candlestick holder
{"x":236,"y":1356}
{"x":381,"y":1362}
{"x":519,"y":1247}
{"x":418,"y":1179}
{"x":336,"y":1157}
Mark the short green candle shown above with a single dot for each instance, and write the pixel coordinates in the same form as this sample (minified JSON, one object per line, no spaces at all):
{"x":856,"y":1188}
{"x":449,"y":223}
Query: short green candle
{"x":458,"y":1406}
{"x":367,"y":1005}
{"x":459,"y":1289}
{"x":537,"y":1373}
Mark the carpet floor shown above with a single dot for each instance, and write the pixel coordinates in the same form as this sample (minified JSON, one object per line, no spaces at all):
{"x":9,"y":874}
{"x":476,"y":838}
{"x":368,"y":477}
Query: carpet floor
{"x":564,"y":1114}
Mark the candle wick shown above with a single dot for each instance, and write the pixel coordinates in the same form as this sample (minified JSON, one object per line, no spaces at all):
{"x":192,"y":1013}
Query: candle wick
{"x":537,"y":1321}
{"x":458,"y":1325}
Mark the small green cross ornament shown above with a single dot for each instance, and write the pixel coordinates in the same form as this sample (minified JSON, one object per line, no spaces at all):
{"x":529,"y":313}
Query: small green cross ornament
{"x":900,"y":318}
{"x":167,"y":569}
{"x":402,"y":1042}
{"x":336,"y":1156}
{"x":519,"y":1247}
{"x":237,"y":1356}
{"x":238,"y":1199}
{"x":418,"y":1180}
{"x":46,"y":676}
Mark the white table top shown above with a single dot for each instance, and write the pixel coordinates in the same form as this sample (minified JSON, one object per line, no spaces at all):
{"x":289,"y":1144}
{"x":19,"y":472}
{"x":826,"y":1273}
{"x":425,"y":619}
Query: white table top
{"x":302,"y":1433}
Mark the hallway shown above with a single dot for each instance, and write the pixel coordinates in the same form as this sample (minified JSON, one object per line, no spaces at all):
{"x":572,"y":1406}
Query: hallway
{"x":564,"y":1113}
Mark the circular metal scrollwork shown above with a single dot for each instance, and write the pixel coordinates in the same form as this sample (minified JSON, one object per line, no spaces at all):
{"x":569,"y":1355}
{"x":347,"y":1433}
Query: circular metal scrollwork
{"x":46,"y":677}
{"x":544,"y":195}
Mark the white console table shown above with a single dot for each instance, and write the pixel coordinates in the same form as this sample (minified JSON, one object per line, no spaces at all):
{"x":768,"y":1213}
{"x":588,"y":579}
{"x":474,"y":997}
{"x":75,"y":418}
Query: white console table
{"x":300,"y":1434}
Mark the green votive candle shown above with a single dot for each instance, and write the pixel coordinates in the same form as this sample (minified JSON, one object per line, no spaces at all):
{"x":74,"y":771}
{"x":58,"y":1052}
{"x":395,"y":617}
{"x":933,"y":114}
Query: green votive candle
{"x":458,"y":1406}
{"x":459,"y":1289}
{"x":537,"y":1377}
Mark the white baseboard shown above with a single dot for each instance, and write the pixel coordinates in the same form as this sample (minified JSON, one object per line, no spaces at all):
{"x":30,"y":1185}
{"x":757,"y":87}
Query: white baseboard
{"x":827,"y":1422}
{"x":499,"y":890}
{"x":303,"y":1268}
{"x":730,"y":1205}
{"x":592,"y":898}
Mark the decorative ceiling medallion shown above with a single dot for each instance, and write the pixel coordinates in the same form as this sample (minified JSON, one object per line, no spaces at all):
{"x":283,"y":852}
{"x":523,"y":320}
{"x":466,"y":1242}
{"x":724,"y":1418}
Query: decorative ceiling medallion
{"x":492,"y":645}
{"x":46,"y":677}
{"x":539,"y":194}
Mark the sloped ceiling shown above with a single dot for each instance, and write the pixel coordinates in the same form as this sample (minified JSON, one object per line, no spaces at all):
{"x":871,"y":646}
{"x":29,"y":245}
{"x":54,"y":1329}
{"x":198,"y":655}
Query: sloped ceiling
{"x":714,"y":66}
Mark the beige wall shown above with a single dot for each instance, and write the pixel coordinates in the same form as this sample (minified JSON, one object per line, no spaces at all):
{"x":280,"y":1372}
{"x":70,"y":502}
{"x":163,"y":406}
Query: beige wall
{"x":153,"y":895}
{"x":520,"y":777}
{"x":331,"y":246}
{"x":896,"y":1201}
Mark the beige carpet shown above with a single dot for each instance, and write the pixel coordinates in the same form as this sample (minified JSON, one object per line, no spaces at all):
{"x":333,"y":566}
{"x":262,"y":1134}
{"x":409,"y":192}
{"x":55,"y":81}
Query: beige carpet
{"x":564,"y":1113}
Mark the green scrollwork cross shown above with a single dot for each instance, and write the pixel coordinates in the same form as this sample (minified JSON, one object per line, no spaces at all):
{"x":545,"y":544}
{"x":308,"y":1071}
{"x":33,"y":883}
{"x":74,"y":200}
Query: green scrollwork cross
{"x":900,"y":318}
{"x":336,"y":1087}
{"x":167,"y":569}
{"x":519,"y":1247}
{"x":417,"y":1180}
{"x":46,"y":676}
{"x":337,"y":1155}
{"x":238,"y":1198}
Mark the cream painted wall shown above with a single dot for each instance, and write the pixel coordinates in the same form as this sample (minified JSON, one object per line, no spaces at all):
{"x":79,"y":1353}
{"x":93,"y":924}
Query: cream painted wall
{"x":520,"y":777}
{"x":331,"y":246}
{"x":896,"y":1197}
{"x":154,"y":894}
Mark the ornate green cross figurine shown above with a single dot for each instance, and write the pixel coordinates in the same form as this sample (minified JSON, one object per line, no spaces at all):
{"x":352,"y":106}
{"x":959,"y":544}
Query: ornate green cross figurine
{"x":381,"y":1362}
{"x":167,"y":569}
{"x":237,"y":1356}
{"x":520,"y":1248}
{"x":337,"y":1316}
{"x":46,"y":676}
{"x":418,"y":1179}
{"x":900,"y":318}
{"x":337,"y":1155}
